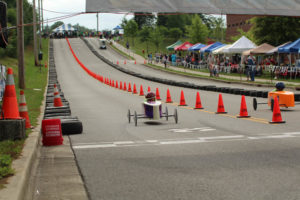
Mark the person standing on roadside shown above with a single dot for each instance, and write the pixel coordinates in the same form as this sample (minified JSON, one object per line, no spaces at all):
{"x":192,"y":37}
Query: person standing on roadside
{"x":210,"y":62}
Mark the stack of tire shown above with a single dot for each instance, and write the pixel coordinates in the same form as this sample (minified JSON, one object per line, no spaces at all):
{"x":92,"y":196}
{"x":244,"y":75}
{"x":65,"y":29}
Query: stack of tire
{"x":69,"y":124}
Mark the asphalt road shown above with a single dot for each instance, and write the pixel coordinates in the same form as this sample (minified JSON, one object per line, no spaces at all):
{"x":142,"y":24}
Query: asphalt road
{"x":204,"y":156}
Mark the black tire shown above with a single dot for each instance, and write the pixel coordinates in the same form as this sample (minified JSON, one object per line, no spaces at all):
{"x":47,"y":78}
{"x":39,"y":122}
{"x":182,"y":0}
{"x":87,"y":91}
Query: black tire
{"x":135,"y":118}
{"x":71,"y":127}
{"x":176,"y":116}
{"x":254,"y":104}
{"x":167,"y":113}
{"x":272,"y":104}
{"x":128,"y":116}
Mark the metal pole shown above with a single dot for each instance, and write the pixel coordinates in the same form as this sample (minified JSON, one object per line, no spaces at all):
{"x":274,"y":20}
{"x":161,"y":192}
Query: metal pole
{"x":20,"y":45}
{"x":36,"y":61}
{"x":40,"y":39}
{"x":97,"y":24}
{"x":42,"y":15}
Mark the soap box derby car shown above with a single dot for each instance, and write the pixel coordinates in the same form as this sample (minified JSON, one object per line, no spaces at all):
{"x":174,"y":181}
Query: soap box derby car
{"x":152,"y":110}
{"x":286,"y":99}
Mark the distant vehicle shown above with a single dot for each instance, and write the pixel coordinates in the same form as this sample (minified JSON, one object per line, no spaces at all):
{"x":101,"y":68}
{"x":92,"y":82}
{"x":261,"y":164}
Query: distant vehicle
{"x":102,"y":43}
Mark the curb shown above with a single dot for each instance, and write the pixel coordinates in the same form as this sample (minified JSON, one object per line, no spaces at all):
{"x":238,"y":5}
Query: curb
{"x":17,"y":184}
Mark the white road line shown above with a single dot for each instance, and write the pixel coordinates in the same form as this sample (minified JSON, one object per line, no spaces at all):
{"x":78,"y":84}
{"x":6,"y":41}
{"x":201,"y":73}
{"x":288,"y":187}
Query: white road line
{"x":181,"y":142}
{"x":292,"y":133}
{"x":221,"y":137}
{"x":123,"y":142}
{"x":208,"y":129}
{"x":152,"y":141}
{"x":94,"y":146}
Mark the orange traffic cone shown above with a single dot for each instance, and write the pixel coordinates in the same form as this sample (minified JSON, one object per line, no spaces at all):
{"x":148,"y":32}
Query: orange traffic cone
{"x":276,"y":113}
{"x":121,"y":85}
{"x":117,"y":84}
{"x":117,"y":62}
{"x":198,"y":104}
{"x":110,"y":83}
{"x":157,"y":94}
{"x":243,"y":109}
{"x":182,"y":99}
{"x":134,"y":89}
{"x":145,"y":62}
{"x":23,"y":109}
{"x":124,"y":86}
{"x":168,"y":100}
{"x":221,"y":109}
{"x":57,"y":100}
{"x":129,"y":87}
{"x":10,"y":108}
{"x":141,"y":91}
{"x":149,"y":89}
{"x":135,"y":62}
{"x":124,"y":62}
{"x":113,"y":83}
{"x":46,"y":64}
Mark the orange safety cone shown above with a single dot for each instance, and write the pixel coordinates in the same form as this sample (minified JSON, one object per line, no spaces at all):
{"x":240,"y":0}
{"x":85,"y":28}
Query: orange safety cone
{"x":243,"y":109}
{"x":117,"y":86}
{"x":57,"y":99}
{"x":23,"y":109}
{"x":124,"y":86}
{"x":129,"y":87}
{"x":198,"y":104}
{"x":121,"y":85}
{"x":141,"y":91}
{"x":134,"y":89}
{"x":149,"y":89}
{"x":169,"y":99}
{"x":182,"y":99}
{"x":157,"y":94}
{"x":221,"y":109}
{"x":135,"y":62}
{"x":10,"y":108}
{"x":46,"y":64}
{"x":124,"y":62}
{"x":276,"y":119}
{"x":117,"y":62}
{"x":113,"y":83}
{"x":110,"y":82}
{"x":145,"y":62}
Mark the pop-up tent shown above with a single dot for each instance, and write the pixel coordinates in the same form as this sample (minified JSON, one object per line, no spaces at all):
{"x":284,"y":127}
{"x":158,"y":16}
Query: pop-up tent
{"x":261,"y":49}
{"x":196,"y":47}
{"x":241,"y":45}
{"x":210,"y":47}
{"x":183,"y":47}
{"x":293,"y":47}
{"x":219,"y":50}
{"x":275,"y":49}
{"x":63,"y":28}
{"x":172,"y":46}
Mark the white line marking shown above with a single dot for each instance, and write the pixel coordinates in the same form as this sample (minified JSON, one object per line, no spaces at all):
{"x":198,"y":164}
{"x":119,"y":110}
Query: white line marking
{"x":123,"y":142}
{"x":182,"y":142}
{"x":292,"y":133}
{"x":222,"y":137}
{"x":94,"y":146}
{"x":208,"y":129}
{"x":152,"y":141}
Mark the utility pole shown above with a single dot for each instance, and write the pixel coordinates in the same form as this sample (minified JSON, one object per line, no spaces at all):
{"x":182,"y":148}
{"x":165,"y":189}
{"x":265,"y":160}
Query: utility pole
{"x":36,"y":61}
{"x":40,"y":39}
{"x":20,"y":45}
{"x":42,"y":15}
{"x":97,"y":24}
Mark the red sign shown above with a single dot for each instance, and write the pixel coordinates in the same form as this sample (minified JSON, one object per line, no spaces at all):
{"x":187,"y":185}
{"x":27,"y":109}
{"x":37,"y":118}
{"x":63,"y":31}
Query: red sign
{"x":51,"y":129}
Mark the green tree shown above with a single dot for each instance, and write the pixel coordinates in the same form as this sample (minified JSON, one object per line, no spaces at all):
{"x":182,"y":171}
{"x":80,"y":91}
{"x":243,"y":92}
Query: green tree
{"x":175,"y":33}
{"x":157,"y":37}
{"x":275,"y":30}
{"x":217,"y":28}
{"x":198,"y":31}
{"x":145,"y":36}
{"x":143,"y":19}
{"x":56,"y":24}
{"x":130,"y":30}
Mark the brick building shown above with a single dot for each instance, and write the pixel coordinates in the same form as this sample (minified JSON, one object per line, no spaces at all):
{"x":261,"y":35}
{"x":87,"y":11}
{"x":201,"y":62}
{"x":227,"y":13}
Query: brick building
{"x":234,"y":22}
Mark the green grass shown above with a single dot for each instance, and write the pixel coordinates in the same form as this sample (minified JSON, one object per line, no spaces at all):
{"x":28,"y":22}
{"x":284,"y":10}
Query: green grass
{"x":35,"y":82}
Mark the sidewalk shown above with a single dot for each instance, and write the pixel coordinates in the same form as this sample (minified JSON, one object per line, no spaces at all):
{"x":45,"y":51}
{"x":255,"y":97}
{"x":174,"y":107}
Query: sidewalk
{"x":140,"y":60}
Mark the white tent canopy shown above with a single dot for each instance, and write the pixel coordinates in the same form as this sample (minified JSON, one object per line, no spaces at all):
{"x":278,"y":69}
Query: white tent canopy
{"x":242,"y":44}
{"x":253,"y":7}
{"x":63,"y":28}
{"x":219,"y":51}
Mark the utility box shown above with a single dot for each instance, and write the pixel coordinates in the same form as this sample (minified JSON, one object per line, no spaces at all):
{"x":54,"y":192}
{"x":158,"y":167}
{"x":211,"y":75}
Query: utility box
{"x":12,"y":129}
{"x":41,"y":56}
